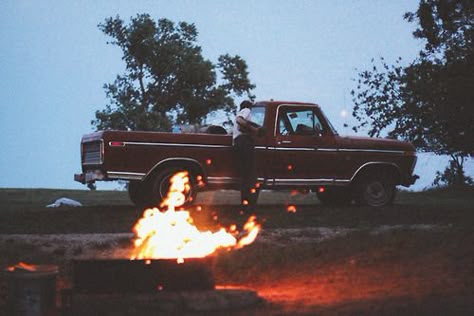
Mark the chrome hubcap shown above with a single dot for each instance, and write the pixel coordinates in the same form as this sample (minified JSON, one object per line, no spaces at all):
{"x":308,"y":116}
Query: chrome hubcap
{"x":376,"y":193}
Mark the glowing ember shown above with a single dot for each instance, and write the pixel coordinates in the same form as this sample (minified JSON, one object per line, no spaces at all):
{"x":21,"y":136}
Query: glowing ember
{"x":171,"y":234}
{"x":23,"y":266}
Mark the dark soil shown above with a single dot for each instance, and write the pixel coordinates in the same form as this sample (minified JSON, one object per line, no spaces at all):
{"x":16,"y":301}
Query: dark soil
{"x":413,"y":258}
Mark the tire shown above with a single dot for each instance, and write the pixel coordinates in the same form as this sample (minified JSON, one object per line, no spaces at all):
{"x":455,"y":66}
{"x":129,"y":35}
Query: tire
{"x":376,"y":190}
{"x":160,"y":186}
{"x":335,"y":196}
{"x":138,"y":192}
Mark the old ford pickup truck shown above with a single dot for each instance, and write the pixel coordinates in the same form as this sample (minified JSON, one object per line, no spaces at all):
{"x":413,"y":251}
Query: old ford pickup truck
{"x":299,"y":150}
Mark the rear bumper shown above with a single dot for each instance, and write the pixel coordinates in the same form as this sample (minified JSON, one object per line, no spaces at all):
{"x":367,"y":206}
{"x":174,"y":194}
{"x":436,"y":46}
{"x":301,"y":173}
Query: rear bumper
{"x":89,"y":176}
{"x":79,"y":177}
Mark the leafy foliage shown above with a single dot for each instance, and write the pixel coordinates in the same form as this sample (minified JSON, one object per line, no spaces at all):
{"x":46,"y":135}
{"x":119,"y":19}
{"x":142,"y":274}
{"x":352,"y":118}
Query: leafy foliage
{"x":431,"y":101}
{"x":454,"y":174}
{"x":165,"y":72}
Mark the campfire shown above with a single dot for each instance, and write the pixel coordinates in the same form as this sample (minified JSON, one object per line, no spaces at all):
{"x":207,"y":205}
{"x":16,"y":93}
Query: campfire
{"x":169,"y":233}
{"x":169,"y":252}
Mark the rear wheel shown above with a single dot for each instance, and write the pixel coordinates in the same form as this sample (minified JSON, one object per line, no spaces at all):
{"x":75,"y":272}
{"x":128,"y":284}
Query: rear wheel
{"x":334,"y":196}
{"x":376,"y":189}
{"x":161,"y":184}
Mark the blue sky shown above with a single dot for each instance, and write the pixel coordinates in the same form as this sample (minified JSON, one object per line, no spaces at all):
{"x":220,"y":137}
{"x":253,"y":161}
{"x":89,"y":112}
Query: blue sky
{"x":54,"y":62}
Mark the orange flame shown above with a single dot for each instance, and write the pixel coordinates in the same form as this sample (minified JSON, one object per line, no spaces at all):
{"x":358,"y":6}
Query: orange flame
{"x":291,"y":209}
{"x":171,"y":234}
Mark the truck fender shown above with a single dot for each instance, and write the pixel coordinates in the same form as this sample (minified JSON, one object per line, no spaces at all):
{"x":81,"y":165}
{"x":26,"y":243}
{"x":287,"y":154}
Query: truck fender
{"x":368,"y":166}
{"x":189,"y":164}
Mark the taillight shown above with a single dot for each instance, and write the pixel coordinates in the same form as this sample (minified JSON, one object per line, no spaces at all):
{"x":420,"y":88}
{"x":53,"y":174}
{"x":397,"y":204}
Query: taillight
{"x":116,"y":144}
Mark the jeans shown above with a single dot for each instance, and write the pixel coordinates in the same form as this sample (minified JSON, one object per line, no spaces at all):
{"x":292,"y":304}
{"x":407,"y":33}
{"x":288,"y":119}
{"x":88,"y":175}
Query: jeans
{"x":245,"y":157}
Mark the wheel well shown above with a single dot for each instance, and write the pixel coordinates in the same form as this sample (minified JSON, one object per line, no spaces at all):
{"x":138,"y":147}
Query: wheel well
{"x":387,"y":169}
{"x":193,"y":166}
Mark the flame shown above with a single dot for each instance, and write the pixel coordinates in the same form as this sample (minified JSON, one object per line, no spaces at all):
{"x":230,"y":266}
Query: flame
{"x":171,"y":234}
{"x":291,"y":209}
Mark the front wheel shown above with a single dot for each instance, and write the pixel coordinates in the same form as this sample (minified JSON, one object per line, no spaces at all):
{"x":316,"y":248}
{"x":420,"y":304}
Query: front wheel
{"x":375,"y":190}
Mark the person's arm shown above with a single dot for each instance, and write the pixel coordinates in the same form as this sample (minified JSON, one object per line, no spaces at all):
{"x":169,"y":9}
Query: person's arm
{"x":248,"y":126}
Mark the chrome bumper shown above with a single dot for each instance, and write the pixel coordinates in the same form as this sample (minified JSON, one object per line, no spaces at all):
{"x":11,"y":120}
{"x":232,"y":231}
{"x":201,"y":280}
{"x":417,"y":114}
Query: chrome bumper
{"x":410,"y":180}
{"x":89,"y":176}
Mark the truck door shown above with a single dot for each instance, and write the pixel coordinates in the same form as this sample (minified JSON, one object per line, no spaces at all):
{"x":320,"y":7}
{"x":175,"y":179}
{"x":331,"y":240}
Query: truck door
{"x":303,"y":153}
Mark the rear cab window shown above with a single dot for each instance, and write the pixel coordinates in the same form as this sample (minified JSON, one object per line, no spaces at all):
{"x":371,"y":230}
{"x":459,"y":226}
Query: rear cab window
{"x":257,"y":115}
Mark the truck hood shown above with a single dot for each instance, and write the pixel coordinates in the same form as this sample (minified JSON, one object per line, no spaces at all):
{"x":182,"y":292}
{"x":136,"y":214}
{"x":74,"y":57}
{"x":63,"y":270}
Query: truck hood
{"x":356,"y":142}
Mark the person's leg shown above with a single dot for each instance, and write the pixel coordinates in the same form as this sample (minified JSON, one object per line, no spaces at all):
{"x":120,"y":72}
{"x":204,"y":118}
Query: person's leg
{"x":240,"y":153}
{"x":249,"y":175}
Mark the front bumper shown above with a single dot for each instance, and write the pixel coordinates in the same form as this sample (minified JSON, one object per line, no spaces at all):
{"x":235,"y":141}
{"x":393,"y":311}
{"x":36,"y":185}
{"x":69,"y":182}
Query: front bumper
{"x":410,"y":180}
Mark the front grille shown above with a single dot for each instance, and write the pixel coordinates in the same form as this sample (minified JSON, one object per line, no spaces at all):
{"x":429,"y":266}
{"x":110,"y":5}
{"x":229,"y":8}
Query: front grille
{"x":92,"y":153}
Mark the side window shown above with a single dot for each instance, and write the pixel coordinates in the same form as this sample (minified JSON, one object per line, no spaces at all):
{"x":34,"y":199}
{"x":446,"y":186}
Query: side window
{"x":299,"y":122}
{"x":282,"y":126}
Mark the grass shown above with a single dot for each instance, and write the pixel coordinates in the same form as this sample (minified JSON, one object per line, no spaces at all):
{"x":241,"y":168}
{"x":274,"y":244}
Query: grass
{"x":11,"y":198}
{"x":25,"y":211}
{"x":402,"y":271}
{"x":38,"y":198}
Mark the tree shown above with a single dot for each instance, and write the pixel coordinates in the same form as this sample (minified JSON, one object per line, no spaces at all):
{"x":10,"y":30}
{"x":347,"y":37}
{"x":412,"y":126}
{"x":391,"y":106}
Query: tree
{"x":431,"y":101}
{"x":166,"y":73}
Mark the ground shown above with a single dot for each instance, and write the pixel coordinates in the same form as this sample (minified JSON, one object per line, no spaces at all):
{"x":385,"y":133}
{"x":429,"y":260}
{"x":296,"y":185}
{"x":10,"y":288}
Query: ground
{"x":413,"y":258}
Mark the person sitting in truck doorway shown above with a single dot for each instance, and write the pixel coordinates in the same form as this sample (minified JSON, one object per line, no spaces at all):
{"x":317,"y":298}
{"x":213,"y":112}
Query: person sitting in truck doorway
{"x":244,"y":149}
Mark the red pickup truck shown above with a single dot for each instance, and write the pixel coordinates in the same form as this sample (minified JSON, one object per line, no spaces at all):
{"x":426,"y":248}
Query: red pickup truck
{"x":299,"y":150}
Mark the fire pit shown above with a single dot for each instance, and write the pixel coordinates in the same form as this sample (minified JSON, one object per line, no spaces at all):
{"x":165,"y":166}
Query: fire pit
{"x":138,"y":287}
{"x":169,"y":268}
{"x":142,"y":276}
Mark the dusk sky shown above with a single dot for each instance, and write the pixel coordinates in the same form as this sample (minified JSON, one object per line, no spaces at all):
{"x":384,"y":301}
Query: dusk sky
{"x":54,"y":62}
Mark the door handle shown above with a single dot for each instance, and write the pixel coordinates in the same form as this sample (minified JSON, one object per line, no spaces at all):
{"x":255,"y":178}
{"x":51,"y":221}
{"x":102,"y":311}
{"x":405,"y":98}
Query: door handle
{"x":286,"y":141}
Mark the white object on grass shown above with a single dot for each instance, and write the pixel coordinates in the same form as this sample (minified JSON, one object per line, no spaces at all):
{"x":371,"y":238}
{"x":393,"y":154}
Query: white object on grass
{"x":66,"y":202}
